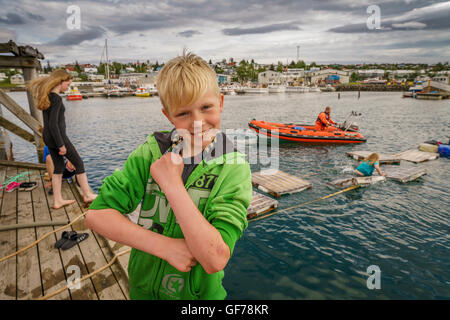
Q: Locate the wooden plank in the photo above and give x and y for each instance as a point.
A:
(111, 248)
(384, 158)
(20, 113)
(260, 205)
(417, 156)
(403, 174)
(50, 263)
(278, 183)
(353, 181)
(18, 131)
(9, 47)
(73, 257)
(19, 62)
(28, 272)
(8, 245)
(105, 283)
(25, 165)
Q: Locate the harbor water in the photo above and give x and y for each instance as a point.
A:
(322, 250)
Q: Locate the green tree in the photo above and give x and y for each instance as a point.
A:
(77, 67)
(354, 77)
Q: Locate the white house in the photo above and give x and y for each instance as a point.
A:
(90, 70)
(17, 79)
(96, 77)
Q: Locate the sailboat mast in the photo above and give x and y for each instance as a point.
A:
(107, 59)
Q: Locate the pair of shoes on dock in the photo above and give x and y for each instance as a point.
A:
(24, 186)
(70, 239)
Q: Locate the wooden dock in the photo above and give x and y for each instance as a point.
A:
(43, 269)
(417, 156)
(277, 182)
(384, 158)
(404, 174)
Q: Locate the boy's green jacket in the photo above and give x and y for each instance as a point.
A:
(221, 188)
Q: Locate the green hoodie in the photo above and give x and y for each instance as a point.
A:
(222, 190)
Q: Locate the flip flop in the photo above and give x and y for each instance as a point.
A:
(27, 186)
(73, 240)
(64, 237)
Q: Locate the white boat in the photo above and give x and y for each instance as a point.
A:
(151, 88)
(112, 91)
(314, 89)
(294, 89)
(328, 88)
(256, 90)
(276, 89)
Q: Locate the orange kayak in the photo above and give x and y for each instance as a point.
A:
(306, 133)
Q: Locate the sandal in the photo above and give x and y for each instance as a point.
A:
(73, 240)
(64, 237)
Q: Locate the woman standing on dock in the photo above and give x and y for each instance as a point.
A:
(46, 95)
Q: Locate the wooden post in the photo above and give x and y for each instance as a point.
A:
(29, 74)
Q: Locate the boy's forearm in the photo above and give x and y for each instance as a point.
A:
(113, 225)
(203, 240)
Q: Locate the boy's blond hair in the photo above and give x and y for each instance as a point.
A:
(183, 80)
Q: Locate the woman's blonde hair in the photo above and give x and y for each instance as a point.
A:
(40, 87)
(373, 157)
(183, 80)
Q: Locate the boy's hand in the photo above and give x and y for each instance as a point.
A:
(167, 170)
(179, 256)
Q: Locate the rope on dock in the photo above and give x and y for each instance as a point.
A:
(87, 276)
(32, 225)
(42, 238)
(305, 203)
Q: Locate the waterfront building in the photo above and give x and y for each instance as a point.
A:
(328, 76)
(269, 76)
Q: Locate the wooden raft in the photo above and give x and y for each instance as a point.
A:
(404, 174)
(354, 181)
(43, 269)
(417, 156)
(384, 158)
(277, 182)
(260, 204)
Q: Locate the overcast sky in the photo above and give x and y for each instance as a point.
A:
(327, 31)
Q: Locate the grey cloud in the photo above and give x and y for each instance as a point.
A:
(432, 17)
(74, 37)
(35, 17)
(12, 18)
(188, 33)
(264, 29)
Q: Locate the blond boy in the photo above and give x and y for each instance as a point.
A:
(194, 201)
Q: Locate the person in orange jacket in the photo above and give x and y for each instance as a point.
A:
(324, 121)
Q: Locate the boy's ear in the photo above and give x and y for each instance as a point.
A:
(166, 114)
